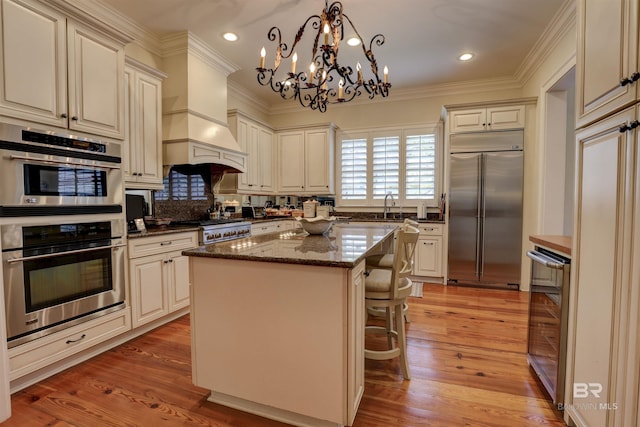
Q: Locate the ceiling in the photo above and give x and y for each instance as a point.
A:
(423, 38)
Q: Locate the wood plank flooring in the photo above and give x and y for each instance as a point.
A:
(466, 351)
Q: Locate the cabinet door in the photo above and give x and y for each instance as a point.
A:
(468, 120)
(291, 163)
(149, 127)
(130, 149)
(429, 257)
(507, 117)
(178, 281)
(598, 289)
(242, 136)
(265, 160)
(96, 88)
(317, 162)
(148, 288)
(253, 163)
(606, 54)
(34, 63)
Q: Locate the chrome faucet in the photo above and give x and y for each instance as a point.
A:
(387, 208)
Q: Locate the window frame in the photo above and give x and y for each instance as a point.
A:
(402, 132)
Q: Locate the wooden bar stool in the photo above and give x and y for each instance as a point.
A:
(389, 289)
(385, 261)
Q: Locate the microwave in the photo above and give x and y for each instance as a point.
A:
(58, 173)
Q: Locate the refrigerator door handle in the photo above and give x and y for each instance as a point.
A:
(483, 166)
(479, 216)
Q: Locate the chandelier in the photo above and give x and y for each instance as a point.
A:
(326, 82)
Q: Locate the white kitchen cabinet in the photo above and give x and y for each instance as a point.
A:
(429, 249)
(257, 141)
(43, 352)
(142, 148)
(305, 161)
(59, 72)
(159, 275)
(606, 58)
(487, 118)
(603, 338)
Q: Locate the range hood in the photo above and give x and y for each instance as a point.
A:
(194, 119)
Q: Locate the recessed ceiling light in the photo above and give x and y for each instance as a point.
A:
(465, 56)
(230, 37)
(353, 41)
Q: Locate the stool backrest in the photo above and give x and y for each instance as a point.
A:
(405, 248)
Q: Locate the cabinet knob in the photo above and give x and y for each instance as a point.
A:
(635, 76)
(63, 115)
(625, 81)
(623, 128)
(74, 118)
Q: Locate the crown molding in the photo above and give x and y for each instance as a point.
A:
(140, 35)
(94, 14)
(241, 93)
(563, 22)
(186, 41)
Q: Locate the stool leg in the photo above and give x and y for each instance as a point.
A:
(389, 326)
(402, 341)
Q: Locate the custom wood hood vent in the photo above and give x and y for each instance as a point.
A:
(194, 121)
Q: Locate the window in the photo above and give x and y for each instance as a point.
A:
(403, 162)
(178, 186)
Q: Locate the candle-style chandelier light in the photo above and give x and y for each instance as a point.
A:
(326, 82)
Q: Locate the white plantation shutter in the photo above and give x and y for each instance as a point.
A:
(386, 166)
(182, 187)
(354, 169)
(405, 162)
(420, 167)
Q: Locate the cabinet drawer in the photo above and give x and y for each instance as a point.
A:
(44, 351)
(152, 245)
(430, 229)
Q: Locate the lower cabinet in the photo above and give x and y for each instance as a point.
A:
(258, 228)
(429, 257)
(43, 352)
(159, 279)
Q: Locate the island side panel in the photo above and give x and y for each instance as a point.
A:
(272, 333)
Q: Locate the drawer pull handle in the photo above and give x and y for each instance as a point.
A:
(83, 336)
(166, 243)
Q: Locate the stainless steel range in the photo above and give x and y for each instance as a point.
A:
(220, 230)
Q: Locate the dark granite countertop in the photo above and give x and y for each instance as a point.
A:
(344, 246)
(156, 231)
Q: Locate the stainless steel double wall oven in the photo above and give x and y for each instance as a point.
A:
(62, 229)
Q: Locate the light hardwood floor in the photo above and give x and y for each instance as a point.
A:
(466, 351)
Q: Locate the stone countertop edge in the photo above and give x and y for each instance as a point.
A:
(558, 243)
(202, 252)
(340, 219)
(157, 231)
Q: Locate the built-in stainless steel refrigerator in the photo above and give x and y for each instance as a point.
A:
(485, 208)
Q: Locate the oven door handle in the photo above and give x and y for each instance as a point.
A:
(547, 262)
(61, 162)
(78, 251)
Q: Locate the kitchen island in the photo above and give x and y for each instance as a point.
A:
(277, 322)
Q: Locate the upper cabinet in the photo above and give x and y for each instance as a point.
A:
(257, 141)
(306, 161)
(607, 58)
(60, 72)
(142, 162)
(485, 119)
